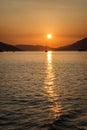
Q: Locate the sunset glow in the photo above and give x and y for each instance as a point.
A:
(28, 21)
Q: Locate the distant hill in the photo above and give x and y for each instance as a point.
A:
(32, 47)
(80, 45)
(7, 47)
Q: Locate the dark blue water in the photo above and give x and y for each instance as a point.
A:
(43, 91)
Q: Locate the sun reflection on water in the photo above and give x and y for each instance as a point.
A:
(49, 57)
(50, 87)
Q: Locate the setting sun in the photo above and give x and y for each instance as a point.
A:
(49, 36)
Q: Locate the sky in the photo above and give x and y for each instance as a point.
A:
(29, 21)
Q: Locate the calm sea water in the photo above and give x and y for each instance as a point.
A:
(43, 91)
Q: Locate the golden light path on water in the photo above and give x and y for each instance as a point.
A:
(50, 87)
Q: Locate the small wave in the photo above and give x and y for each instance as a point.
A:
(67, 122)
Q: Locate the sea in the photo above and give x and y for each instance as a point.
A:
(43, 90)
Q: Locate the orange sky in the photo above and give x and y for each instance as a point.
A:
(29, 21)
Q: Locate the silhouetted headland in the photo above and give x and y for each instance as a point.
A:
(80, 45)
(7, 47)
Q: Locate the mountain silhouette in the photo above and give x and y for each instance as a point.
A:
(33, 47)
(7, 47)
(80, 45)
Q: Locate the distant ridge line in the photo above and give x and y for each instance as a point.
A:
(8, 47)
(80, 45)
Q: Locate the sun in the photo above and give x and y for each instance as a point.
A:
(49, 36)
